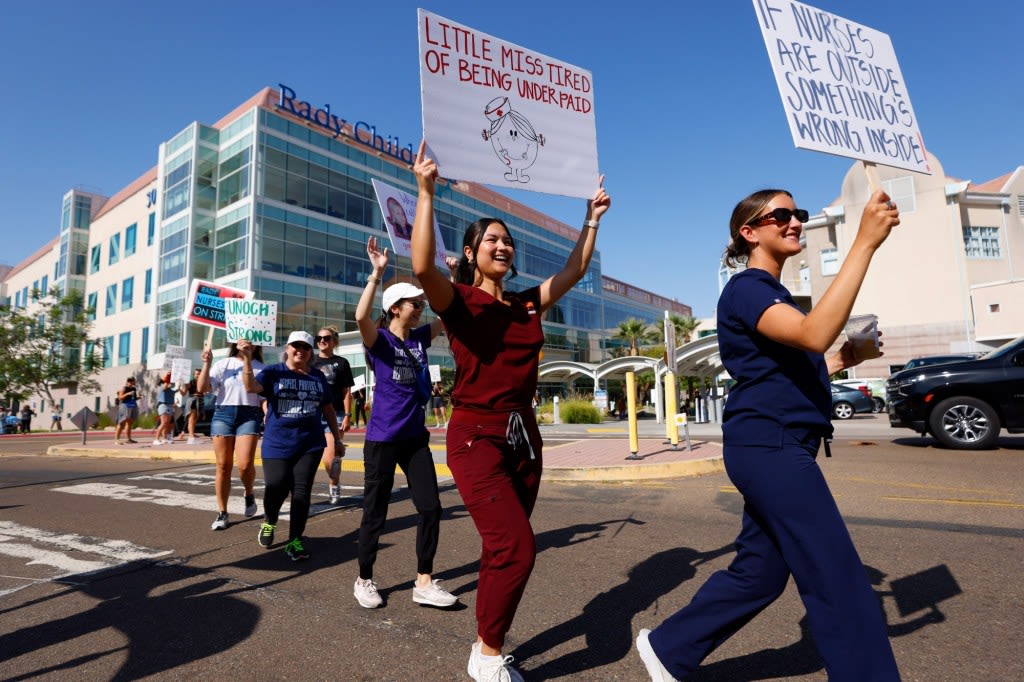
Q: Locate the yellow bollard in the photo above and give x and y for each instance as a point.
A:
(671, 430)
(634, 443)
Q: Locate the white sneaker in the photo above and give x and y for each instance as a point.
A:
(433, 595)
(221, 522)
(334, 492)
(191, 441)
(365, 592)
(484, 668)
(157, 441)
(654, 666)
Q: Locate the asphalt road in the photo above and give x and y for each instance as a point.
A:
(940, 533)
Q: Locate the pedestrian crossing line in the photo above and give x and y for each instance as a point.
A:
(50, 548)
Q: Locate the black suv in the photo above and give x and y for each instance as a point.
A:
(962, 404)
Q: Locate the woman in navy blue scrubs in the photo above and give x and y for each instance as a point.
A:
(776, 418)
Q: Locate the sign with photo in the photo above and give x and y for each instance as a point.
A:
(398, 208)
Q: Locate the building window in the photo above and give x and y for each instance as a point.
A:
(35, 290)
(829, 262)
(44, 287)
(148, 292)
(127, 293)
(108, 352)
(114, 253)
(91, 305)
(145, 344)
(111, 307)
(993, 307)
(129, 239)
(151, 230)
(94, 259)
(981, 242)
(901, 191)
(124, 348)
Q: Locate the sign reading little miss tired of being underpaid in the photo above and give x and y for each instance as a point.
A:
(841, 86)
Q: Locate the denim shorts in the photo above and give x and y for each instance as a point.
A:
(236, 420)
(164, 408)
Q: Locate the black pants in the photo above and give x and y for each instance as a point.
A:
(293, 475)
(380, 459)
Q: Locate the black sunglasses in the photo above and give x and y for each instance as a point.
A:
(782, 216)
(324, 339)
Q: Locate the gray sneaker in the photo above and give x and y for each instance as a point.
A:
(221, 522)
(433, 595)
(365, 592)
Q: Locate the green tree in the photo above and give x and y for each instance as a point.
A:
(637, 333)
(684, 326)
(43, 347)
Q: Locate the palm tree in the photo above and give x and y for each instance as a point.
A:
(685, 326)
(636, 332)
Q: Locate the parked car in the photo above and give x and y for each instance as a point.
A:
(926, 360)
(874, 387)
(964, 404)
(848, 401)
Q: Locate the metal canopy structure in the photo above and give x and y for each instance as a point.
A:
(698, 358)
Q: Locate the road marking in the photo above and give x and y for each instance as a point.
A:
(50, 548)
(924, 486)
(1007, 504)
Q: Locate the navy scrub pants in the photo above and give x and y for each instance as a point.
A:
(791, 524)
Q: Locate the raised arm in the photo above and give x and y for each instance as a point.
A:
(203, 380)
(819, 329)
(556, 286)
(436, 285)
(364, 309)
(248, 376)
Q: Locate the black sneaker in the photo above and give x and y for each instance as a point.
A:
(295, 550)
(250, 505)
(266, 535)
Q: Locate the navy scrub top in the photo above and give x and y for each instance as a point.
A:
(778, 387)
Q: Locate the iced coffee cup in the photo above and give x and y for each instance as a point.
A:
(862, 332)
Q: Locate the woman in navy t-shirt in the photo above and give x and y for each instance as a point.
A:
(775, 419)
(297, 396)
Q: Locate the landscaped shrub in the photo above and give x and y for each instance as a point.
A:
(579, 412)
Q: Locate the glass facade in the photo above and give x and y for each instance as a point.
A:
(273, 205)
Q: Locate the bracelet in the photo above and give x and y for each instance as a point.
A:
(371, 278)
(591, 223)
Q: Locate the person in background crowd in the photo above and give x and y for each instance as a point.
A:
(191, 404)
(165, 412)
(777, 416)
(55, 419)
(494, 445)
(437, 404)
(127, 411)
(26, 418)
(396, 349)
(235, 425)
(338, 374)
(359, 397)
(298, 396)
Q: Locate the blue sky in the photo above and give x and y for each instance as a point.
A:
(688, 114)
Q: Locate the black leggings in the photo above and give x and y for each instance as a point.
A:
(293, 475)
(380, 459)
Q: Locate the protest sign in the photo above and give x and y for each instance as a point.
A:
(205, 303)
(171, 354)
(181, 371)
(251, 320)
(498, 113)
(841, 86)
(435, 373)
(398, 209)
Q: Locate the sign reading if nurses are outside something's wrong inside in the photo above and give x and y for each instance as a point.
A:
(841, 86)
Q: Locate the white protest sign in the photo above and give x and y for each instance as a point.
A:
(498, 113)
(435, 373)
(398, 209)
(251, 320)
(841, 86)
(181, 371)
(172, 353)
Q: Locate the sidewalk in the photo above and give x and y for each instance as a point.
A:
(572, 452)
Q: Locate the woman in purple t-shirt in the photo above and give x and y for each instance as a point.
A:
(396, 349)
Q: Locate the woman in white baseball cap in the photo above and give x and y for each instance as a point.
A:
(297, 396)
(397, 436)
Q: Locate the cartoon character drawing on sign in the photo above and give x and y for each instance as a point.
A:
(513, 138)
